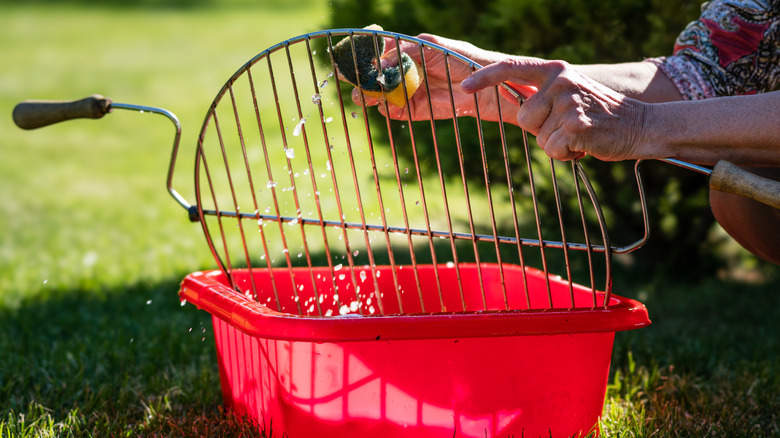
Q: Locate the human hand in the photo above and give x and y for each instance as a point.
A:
(571, 115)
(447, 100)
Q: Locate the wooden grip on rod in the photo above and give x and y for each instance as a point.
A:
(32, 114)
(727, 177)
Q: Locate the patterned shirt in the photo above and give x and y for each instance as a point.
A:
(733, 48)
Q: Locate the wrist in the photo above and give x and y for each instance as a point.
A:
(650, 127)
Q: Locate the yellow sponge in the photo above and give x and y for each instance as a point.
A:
(367, 76)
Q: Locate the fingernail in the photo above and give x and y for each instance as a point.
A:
(467, 84)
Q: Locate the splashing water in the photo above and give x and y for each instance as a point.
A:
(299, 126)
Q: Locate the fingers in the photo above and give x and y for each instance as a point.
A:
(520, 71)
(558, 146)
(552, 110)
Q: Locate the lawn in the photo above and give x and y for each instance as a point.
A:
(94, 339)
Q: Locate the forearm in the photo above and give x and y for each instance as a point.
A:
(741, 129)
(639, 80)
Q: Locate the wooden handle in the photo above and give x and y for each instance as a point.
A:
(727, 177)
(32, 114)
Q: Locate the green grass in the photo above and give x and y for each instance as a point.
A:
(93, 339)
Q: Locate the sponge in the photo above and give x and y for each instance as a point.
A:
(369, 78)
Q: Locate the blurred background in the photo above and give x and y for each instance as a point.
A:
(94, 341)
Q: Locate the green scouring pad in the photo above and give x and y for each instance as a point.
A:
(374, 83)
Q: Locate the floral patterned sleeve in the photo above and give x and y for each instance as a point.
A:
(733, 48)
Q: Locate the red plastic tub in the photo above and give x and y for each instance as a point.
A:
(523, 373)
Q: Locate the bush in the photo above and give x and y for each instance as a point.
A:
(612, 31)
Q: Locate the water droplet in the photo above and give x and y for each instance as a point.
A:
(338, 267)
(450, 264)
(299, 126)
(356, 253)
(363, 275)
(328, 120)
(270, 185)
(354, 115)
(290, 152)
(324, 83)
(327, 165)
(316, 99)
(148, 302)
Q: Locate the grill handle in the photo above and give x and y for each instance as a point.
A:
(729, 178)
(32, 114)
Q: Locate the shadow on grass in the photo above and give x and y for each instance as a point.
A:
(108, 362)
(707, 366)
